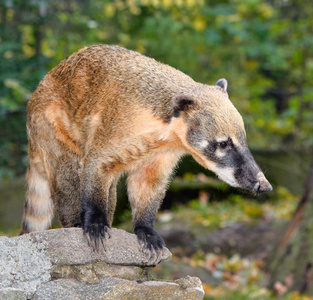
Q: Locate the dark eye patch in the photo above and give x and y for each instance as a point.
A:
(223, 144)
(233, 159)
(210, 150)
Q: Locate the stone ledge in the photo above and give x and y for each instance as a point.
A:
(68, 246)
(117, 288)
(91, 273)
(59, 264)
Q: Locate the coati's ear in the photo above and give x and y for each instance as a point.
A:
(222, 83)
(181, 103)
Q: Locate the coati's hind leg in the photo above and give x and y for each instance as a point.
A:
(146, 190)
(38, 208)
(66, 195)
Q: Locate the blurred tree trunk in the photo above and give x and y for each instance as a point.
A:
(290, 266)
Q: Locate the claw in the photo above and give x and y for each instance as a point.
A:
(96, 236)
(166, 254)
(152, 257)
(159, 257)
(102, 243)
(108, 231)
(151, 245)
(88, 239)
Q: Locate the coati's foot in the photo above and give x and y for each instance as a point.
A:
(152, 245)
(96, 235)
(96, 227)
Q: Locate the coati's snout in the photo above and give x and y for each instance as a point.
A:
(237, 167)
(262, 184)
(217, 138)
(234, 164)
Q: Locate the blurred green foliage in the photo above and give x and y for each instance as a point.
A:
(218, 214)
(263, 48)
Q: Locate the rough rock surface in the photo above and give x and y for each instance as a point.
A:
(23, 264)
(122, 248)
(59, 264)
(116, 288)
(12, 294)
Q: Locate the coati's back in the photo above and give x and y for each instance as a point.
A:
(116, 81)
(93, 72)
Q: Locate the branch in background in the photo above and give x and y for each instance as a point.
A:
(296, 220)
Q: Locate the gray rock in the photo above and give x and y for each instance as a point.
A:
(116, 288)
(124, 272)
(59, 264)
(26, 261)
(180, 269)
(68, 246)
(12, 294)
(92, 272)
(23, 264)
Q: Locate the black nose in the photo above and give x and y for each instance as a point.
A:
(264, 187)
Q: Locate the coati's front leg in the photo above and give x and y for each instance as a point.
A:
(96, 186)
(146, 189)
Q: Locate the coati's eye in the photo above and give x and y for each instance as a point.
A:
(222, 145)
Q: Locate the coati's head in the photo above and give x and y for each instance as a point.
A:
(216, 138)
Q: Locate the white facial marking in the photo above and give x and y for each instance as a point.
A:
(221, 139)
(235, 141)
(220, 153)
(203, 144)
(227, 175)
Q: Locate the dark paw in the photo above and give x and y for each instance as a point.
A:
(95, 225)
(152, 245)
(96, 235)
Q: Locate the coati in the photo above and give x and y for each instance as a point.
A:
(105, 111)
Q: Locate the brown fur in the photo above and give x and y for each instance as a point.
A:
(105, 111)
(91, 113)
